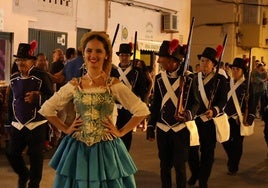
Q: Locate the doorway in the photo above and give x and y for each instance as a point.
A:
(48, 41)
(6, 46)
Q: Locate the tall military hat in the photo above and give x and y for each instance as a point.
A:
(240, 63)
(125, 48)
(171, 49)
(26, 51)
(209, 53)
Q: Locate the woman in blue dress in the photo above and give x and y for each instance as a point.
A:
(92, 155)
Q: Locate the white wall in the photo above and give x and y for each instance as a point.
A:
(24, 14)
(19, 17)
(138, 19)
(14, 22)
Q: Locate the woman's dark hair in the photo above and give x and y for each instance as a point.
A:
(69, 52)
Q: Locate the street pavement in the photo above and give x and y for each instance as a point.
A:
(253, 172)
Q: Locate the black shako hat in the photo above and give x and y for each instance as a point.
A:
(124, 48)
(171, 49)
(209, 53)
(240, 63)
(26, 51)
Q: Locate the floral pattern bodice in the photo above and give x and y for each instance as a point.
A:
(94, 106)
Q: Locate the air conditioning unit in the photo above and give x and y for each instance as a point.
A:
(170, 23)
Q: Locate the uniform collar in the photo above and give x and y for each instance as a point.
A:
(173, 74)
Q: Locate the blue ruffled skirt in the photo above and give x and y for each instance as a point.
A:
(106, 164)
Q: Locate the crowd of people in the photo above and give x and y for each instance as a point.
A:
(90, 106)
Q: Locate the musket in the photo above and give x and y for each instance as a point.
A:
(135, 47)
(181, 105)
(247, 89)
(115, 34)
(217, 72)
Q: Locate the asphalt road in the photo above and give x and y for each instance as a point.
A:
(253, 171)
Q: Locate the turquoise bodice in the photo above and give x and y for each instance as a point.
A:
(94, 106)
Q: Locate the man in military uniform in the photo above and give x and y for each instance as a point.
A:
(172, 134)
(134, 79)
(209, 108)
(30, 87)
(235, 107)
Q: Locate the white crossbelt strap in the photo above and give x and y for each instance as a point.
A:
(201, 88)
(234, 86)
(170, 89)
(171, 94)
(244, 130)
(123, 76)
(234, 96)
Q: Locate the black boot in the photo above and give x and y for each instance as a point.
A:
(23, 179)
(192, 181)
(23, 182)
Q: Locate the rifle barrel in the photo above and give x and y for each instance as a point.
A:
(216, 73)
(135, 46)
(115, 34)
(247, 90)
(181, 105)
(249, 72)
(187, 55)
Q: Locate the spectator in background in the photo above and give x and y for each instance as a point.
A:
(70, 54)
(41, 62)
(258, 80)
(56, 67)
(74, 68)
(264, 114)
(55, 70)
(228, 70)
(197, 68)
(2, 65)
(222, 70)
(140, 64)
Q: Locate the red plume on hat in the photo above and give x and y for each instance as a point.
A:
(172, 46)
(33, 46)
(131, 45)
(219, 50)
